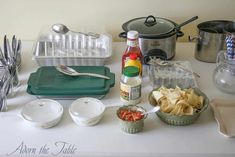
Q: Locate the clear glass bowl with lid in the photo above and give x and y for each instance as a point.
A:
(224, 73)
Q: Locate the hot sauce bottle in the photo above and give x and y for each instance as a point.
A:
(134, 61)
(132, 47)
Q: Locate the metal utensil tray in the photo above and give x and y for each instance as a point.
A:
(72, 49)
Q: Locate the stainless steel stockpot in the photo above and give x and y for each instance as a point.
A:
(210, 40)
(157, 36)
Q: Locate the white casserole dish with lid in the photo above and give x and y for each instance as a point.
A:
(42, 113)
(86, 111)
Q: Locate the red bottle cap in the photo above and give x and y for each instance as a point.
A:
(133, 56)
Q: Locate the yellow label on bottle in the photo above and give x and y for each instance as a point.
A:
(136, 63)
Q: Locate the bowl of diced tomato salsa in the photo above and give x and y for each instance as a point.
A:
(131, 119)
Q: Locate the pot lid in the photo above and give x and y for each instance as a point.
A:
(215, 26)
(230, 28)
(149, 26)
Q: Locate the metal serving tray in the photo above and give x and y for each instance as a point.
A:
(70, 49)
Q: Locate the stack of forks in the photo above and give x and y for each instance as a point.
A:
(10, 57)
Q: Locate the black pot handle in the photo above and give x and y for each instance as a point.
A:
(123, 35)
(150, 21)
(179, 34)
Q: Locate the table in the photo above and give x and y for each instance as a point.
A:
(106, 139)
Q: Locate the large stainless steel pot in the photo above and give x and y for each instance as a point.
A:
(157, 36)
(210, 40)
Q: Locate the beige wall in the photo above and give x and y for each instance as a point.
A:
(25, 18)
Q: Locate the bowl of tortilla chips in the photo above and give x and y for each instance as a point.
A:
(178, 106)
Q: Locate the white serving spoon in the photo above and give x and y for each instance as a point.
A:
(153, 110)
(62, 29)
(70, 71)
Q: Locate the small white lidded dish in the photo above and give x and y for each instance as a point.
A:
(42, 113)
(86, 111)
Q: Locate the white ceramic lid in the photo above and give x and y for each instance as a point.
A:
(87, 107)
(42, 111)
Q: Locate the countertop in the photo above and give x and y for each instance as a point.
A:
(106, 139)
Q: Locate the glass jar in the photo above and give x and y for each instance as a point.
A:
(224, 74)
(130, 86)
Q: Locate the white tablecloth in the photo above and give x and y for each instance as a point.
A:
(106, 139)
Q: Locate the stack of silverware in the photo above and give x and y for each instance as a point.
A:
(5, 86)
(10, 58)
